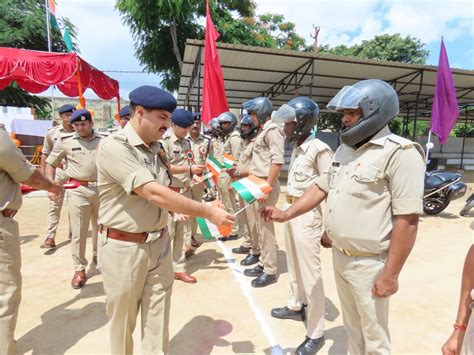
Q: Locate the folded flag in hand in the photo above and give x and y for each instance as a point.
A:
(229, 161)
(209, 230)
(213, 165)
(209, 180)
(251, 188)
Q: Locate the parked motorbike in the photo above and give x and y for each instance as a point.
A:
(468, 206)
(441, 188)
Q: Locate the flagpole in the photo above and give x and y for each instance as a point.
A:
(243, 208)
(429, 146)
(48, 35)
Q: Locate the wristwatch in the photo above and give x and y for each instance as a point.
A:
(237, 173)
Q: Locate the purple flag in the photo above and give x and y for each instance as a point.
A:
(445, 109)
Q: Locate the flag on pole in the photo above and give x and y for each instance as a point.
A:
(229, 161)
(445, 109)
(209, 230)
(213, 165)
(58, 23)
(251, 188)
(209, 180)
(214, 101)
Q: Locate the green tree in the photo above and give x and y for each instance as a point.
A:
(383, 47)
(160, 29)
(23, 25)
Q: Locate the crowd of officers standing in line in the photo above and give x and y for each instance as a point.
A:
(138, 187)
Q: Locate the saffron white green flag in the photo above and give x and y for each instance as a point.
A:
(209, 180)
(213, 165)
(229, 161)
(211, 231)
(251, 188)
(58, 23)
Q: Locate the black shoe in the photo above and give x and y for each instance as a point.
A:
(264, 280)
(241, 250)
(250, 259)
(256, 271)
(230, 237)
(310, 346)
(286, 313)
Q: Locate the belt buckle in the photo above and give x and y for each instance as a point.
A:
(92, 184)
(152, 236)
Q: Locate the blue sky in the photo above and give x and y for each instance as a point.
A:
(107, 43)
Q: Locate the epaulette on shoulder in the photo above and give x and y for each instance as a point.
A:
(67, 135)
(406, 143)
(119, 137)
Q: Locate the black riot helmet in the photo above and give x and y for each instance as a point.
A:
(303, 111)
(378, 102)
(261, 106)
(247, 121)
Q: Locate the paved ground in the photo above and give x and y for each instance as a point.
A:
(221, 314)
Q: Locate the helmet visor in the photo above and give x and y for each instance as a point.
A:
(284, 114)
(348, 97)
(250, 106)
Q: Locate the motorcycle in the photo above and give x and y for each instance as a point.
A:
(441, 188)
(468, 206)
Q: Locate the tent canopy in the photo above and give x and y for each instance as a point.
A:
(36, 71)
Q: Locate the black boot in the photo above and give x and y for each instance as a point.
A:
(256, 271)
(286, 313)
(310, 346)
(264, 280)
(250, 259)
(241, 250)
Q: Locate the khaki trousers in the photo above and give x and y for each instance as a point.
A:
(250, 240)
(365, 317)
(177, 232)
(197, 191)
(10, 283)
(83, 209)
(227, 197)
(265, 232)
(137, 276)
(303, 247)
(55, 207)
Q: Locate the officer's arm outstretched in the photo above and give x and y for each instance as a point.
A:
(310, 199)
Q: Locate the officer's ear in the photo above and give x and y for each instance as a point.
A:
(139, 111)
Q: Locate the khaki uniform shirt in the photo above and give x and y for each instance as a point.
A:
(52, 135)
(179, 153)
(79, 153)
(233, 144)
(308, 161)
(370, 185)
(14, 168)
(218, 149)
(201, 147)
(124, 163)
(269, 149)
(246, 155)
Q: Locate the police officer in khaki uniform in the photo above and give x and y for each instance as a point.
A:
(310, 158)
(135, 249)
(374, 191)
(124, 116)
(267, 161)
(14, 169)
(80, 150)
(52, 135)
(202, 148)
(217, 150)
(250, 244)
(180, 154)
(232, 145)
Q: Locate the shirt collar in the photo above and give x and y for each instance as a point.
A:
(381, 136)
(304, 147)
(94, 136)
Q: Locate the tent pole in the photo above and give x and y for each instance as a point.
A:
(48, 35)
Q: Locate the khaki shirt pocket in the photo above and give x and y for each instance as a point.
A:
(366, 182)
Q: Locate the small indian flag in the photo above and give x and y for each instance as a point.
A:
(210, 230)
(251, 188)
(209, 180)
(213, 165)
(58, 22)
(229, 161)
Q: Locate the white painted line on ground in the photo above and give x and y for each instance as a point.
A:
(246, 289)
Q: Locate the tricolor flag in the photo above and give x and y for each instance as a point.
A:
(251, 188)
(210, 230)
(213, 165)
(60, 25)
(209, 180)
(229, 161)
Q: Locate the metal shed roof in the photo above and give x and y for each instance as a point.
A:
(282, 74)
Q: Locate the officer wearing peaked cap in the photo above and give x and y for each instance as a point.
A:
(133, 175)
(183, 167)
(79, 149)
(52, 135)
(124, 115)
